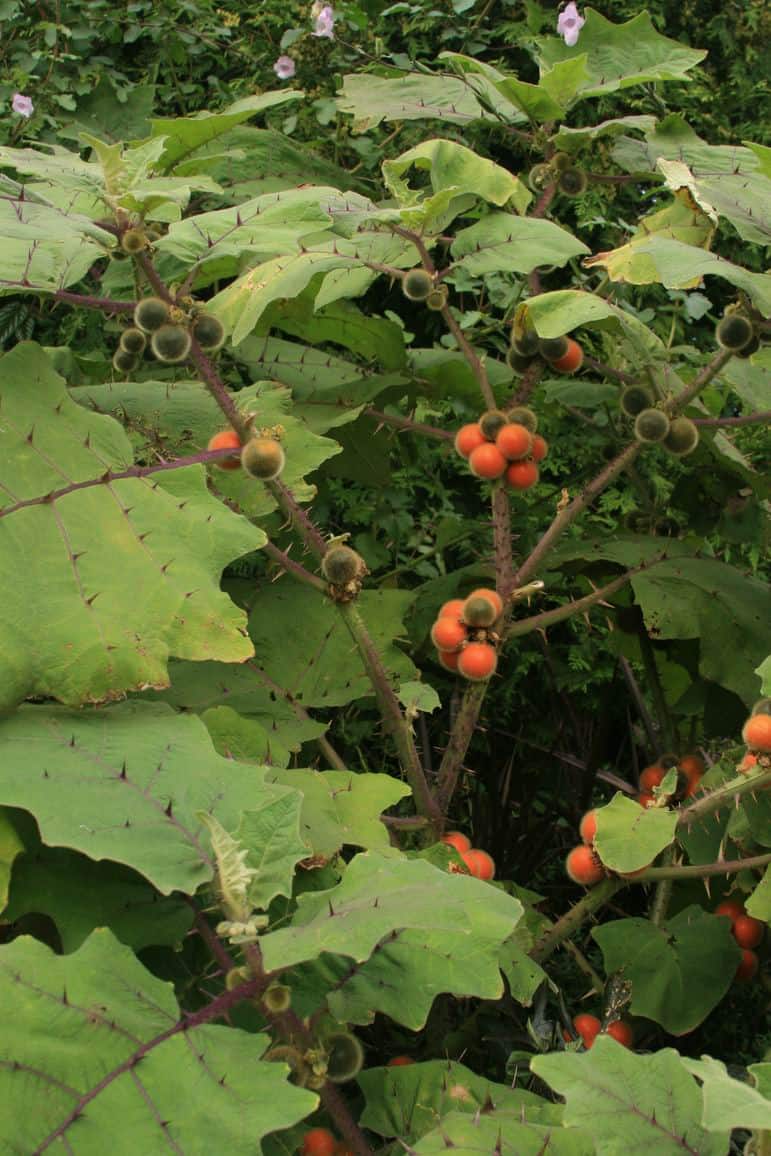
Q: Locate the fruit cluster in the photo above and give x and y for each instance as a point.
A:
(170, 331)
(678, 435)
(420, 285)
(261, 455)
(736, 332)
(479, 863)
(504, 445)
(690, 771)
(561, 353)
(560, 169)
(463, 635)
(747, 932)
(588, 1027)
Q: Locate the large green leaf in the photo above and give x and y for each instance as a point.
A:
(182, 136)
(374, 339)
(728, 1103)
(410, 1101)
(630, 836)
(127, 783)
(455, 169)
(270, 833)
(638, 1105)
(44, 249)
(11, 845)
(97, 1058)
(372, 99)
(620, 55)
(569, 138)
(314, 654)
(545, 101)
(678, 971)
(501, 242)
(502, 1133)
(759, 903)
(88, 538)
(378, 896)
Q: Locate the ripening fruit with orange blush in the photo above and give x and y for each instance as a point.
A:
(487, 461)
(522, 475)
(226, 439)
(399, 1062)
(448, 634)
(451, 609)
(448, 659)
(457, 840)
(514, 441)
(479, 863)
(477, 661)
(588, 1028)
(583, 866)
(539, 448)
(572, 360)
(748, 932)
(757, 733)
(652, 777)
(621, 1032)
(468, 438)
(588, 827)
(319, 1142)
(748, 967)
(491, 595)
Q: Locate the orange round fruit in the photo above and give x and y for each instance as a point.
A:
(399, 1062)
(457, 840)
(651, 777)
(748, 932)
(319, 1142)
(514, 441)
(539, 448)
(479, 863)
(487, 461)
(747, 763)
(491, 596)
(451, 609)
(588, 827)
(645, 799)
(448, 659)
(226, 439)
(572, 360)
(477, 661)
(757, 733)
(448, 634)
(748, 967)
(621, 1031)
(468, 438)
(583, 866)
(730, 907)
(588, 1028)
(522, 475)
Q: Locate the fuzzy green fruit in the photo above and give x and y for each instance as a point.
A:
(170, 343)
(553, 348)
(151, 313)
(133, 341)
(523, 415)
(734, 332)
(682, 438)
(491, 423)
(123, 361)
(263, 458)
(341, 565)
(133, 241)
(651, 425)
(572, 182)
(417, 284)
(635, 398)
(437, 298)
(209, 332)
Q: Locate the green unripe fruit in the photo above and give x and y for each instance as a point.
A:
(437, 298)
(682, 438)
(277, 998)
(651, 425)
(479, 612)
(762, 706)
(153, 235)
(553, 348)
(341, 565)
(170, 343)
(734, 332)
(572, 182)
(634, 399)
(236, 976)
(133, 241)
(523, 415)
(133, 341)
(263, 458)
(526, 342)
(209, 332)
(417, 284)
(491, 423)
(517, 361)
(345, 1057)
(151, 313)
(124, 362)
(749, 349)
(539, 176)
(561, 161)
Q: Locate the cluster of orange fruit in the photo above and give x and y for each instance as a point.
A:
(588, 1027)
(503, 445)
(690, 771)
(748, 932)
(463, 637)
(479, 863)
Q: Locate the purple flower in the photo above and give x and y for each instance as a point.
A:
(570, 24)
(324, 21)
(22, 104)
(284, 68)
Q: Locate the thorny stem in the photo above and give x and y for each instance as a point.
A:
(543, 202)
(527, 384)
(216, 387)
(748, 419)
(642, 706)
(724, 795)
(475, 362)
(667, 874)
(298, 518)
(406, 423)
(663, 893)
(296, 569)
(502, 541)
(461, 734)
(570, 922)
(663, 717)
(85, 301)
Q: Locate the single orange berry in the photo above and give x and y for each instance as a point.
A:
(539, 449)
(479, 863)
(620, 1031)
(399, 1062)
(588, 827)
(319, 1142)
(226, 439)
(514, 441)
(748, 932)
(491, 596)
(477, 661)
(588, 1028)
(645, 799)
(748, 967)
(457, 840)
(448, 634)
(757, 733)
(468, 438)
(730, 907)
(572, 360)
(522, 475)
(487, 461)
(652, 777)
(692, 765)
(583, 866)
(448, 659)
(747, 763)
(451, 609)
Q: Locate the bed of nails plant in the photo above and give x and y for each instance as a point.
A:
(221, 930)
